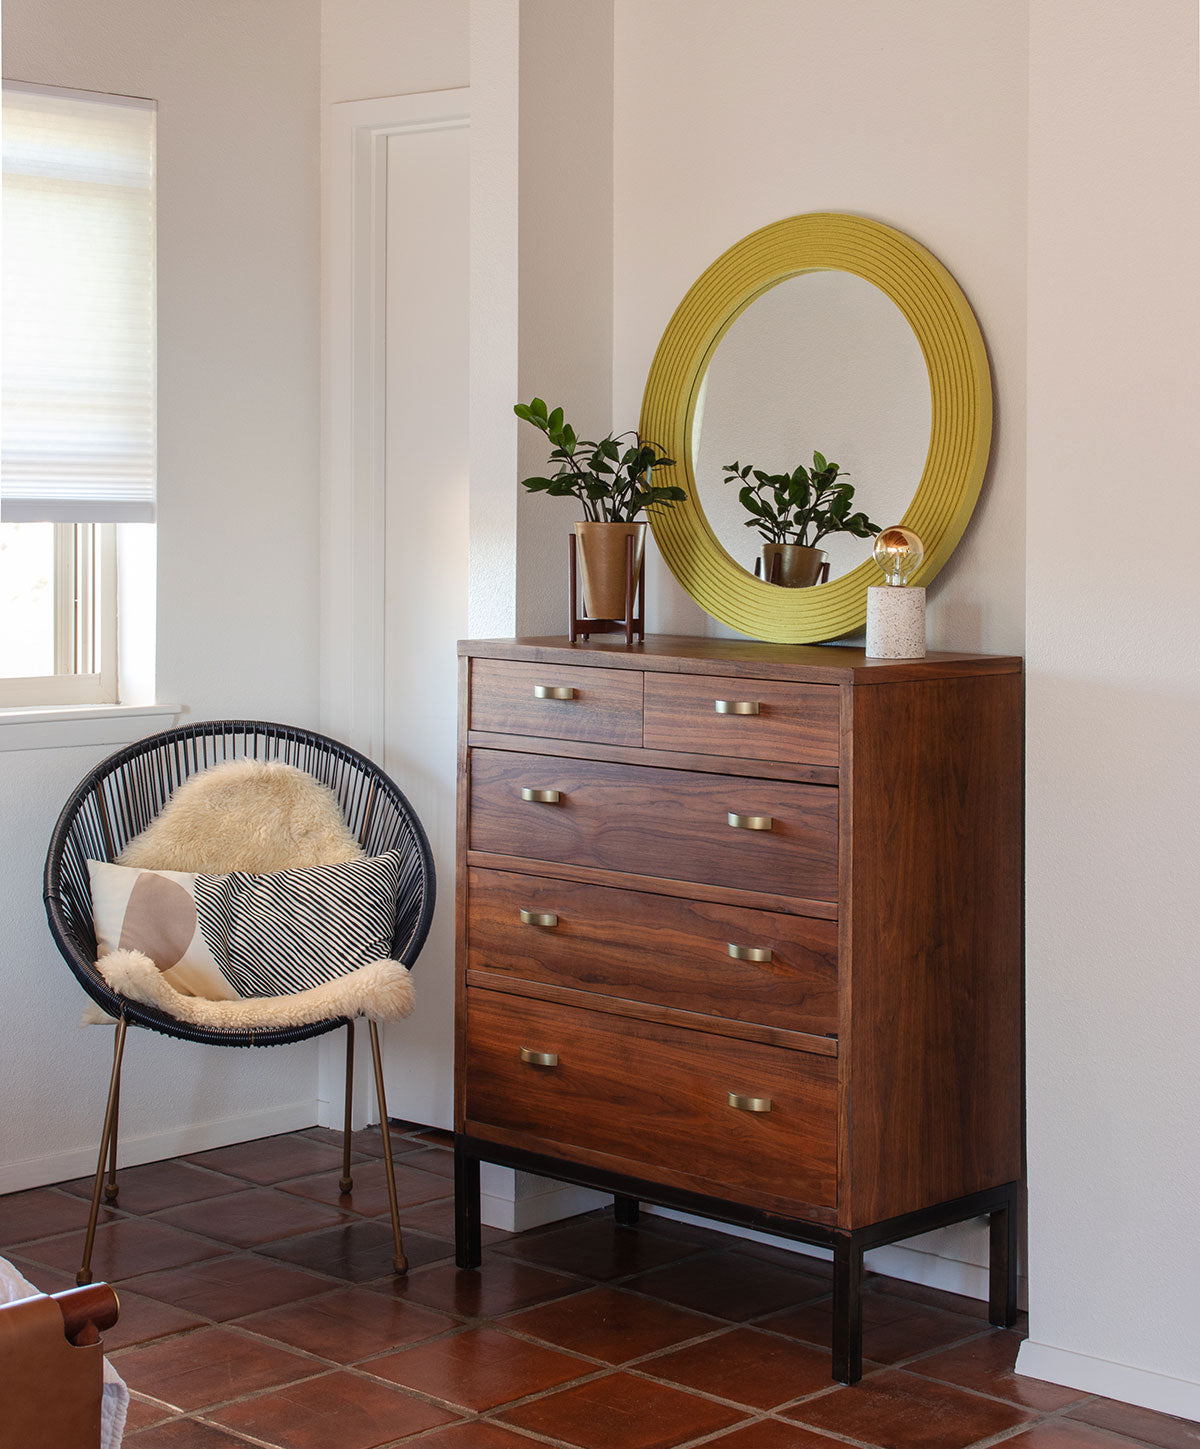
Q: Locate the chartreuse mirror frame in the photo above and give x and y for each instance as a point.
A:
(960, 430)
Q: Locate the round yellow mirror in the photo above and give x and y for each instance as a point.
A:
(959, 416)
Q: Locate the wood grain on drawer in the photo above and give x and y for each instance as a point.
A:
(661, 950)
(655, 1098)
(794, 722)
(655, 822)
(603, 705)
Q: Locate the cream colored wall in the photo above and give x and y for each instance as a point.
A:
(1114, 701)
(371, 49)
(495, 66)
(237, 138)
(391, 47)
(728, 117)
(565, 179)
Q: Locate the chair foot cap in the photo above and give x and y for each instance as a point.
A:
(83, 1278)
(345, 1185)
(111, 1192)
(400, 1265)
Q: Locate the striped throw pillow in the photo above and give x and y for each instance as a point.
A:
(241, 935)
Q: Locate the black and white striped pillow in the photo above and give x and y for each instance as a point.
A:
(243, 935)
(272, 935)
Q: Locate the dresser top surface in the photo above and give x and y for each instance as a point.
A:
(693, 654)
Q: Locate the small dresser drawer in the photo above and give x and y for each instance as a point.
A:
(655, 1100)
(769, 836)
(755, 719)
(725, 961)
(557, 701)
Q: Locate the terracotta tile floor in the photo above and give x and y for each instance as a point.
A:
(258, 1307)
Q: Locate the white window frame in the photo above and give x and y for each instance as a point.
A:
(85, 624)
(87, 667)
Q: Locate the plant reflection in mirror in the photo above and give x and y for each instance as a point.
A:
(801, 507)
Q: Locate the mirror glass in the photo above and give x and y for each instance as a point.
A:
(823, 361)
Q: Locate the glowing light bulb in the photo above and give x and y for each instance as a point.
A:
(898, 552)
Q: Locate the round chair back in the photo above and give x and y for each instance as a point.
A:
(124, 793)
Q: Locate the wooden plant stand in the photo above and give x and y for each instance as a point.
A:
(634, 622)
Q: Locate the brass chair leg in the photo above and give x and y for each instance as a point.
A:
(107, 1135)
(399, 1261)
(111, 1188)
(346, 1184)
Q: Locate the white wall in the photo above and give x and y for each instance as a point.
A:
(1114, 701)
(392, 47)
(371, 50)
(495, 59)
(565, 179)
(727, 118)
(237, 141)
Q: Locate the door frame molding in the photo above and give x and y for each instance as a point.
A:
(354, 140)
(355, 136)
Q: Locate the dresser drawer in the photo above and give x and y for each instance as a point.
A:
(654, 1099)
(657, 949)
(758, 719)
(557, 701)
(673, 824)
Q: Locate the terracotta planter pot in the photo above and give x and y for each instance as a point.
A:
(602, 565)
(799, 566)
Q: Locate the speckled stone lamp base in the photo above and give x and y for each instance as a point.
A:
(895, 623)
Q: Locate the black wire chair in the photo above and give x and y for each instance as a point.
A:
(123, 795)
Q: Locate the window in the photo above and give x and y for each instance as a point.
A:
(59, 606)
(78, 383)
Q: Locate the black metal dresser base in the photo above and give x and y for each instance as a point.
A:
(847, 1245)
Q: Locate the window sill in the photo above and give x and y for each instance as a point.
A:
(66, 726)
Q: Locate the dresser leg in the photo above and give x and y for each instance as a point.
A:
(626, 1210)
(847, 1311)
(468, 1250)
(1002, 1277)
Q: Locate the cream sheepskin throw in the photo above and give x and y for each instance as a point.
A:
(259, 817)
(381, 990)
(250, 815)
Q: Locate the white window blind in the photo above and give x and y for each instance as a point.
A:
(79, 307)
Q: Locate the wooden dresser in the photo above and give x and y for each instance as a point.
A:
(739, 933)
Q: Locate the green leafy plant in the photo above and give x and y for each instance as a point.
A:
(799, 507)
(613, 479)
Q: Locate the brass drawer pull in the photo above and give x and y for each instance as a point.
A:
(736, 706)
(553, 691)
(749, 953)
(541, 797)
(750, 822)
(539, 1059)
(539, 918)
(749, 1104)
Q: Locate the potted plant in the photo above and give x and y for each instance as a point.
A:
(793, 512)
(614, 481)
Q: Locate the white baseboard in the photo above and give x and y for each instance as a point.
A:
(952, 1275)
(155, 1146)
(1114, 1380)
(535, 1204)
(530, 1209)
